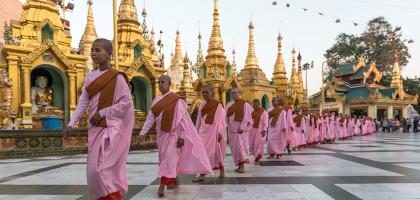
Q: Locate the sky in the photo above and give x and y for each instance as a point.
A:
(306, 31)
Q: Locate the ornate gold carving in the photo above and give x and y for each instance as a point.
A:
(48, 44)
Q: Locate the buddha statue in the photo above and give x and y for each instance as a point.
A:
(41, 95)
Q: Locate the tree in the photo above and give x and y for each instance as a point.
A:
(412, 87)
(380, 42)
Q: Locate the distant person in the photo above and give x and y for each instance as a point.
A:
(415, 124)
(405, 125)
(385, 126)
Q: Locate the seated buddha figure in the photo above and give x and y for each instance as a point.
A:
(41, 94)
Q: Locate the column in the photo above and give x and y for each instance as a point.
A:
(156, 88)
(72, 92)
(224, 97)
(26, 104)
(216, 92)
(390, 112)
(14, 74)
(372, 111)
(405, 112)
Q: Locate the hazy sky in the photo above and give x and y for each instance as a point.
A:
(307, 31)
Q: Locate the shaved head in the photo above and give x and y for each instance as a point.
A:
(236, 93)
(165, 78)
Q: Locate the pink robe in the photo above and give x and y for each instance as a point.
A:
(299, 134)
(256, 139)
(317, 131)
(350, 127)
(310, 134)
(332, 124)
(277, 140)
(365, 127)
(238, 142)
(290, 127)
(342, 129)
(209, 136)
(324, 129)
(190, 158)
(357, 128)
(107, 146)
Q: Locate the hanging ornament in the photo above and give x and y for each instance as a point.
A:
(337, 21)
(305, 9)
(355, 24)
(274, 3)
(320, 13)
(287, 5)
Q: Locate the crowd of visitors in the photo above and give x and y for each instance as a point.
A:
(397, 125)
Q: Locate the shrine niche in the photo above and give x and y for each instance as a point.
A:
(49, 91)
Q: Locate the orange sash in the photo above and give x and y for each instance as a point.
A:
(256, 116)
(237, 108)
(166, 105)
(209, 109)
(105, 84)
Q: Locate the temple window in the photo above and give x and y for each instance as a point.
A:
(47, 33)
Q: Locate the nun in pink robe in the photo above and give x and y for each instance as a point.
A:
(324, 128)
(332, 128)
(350, 127)
(310, 135)
(256, 137)
(300, 130)
(209, 136)
(191, 158)
(357, 128)
(107, 146)
(238, 142)
(365, 127)
(277, 138)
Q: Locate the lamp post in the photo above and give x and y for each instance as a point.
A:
(307, 67)
(321, 107)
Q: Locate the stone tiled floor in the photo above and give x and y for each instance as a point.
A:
(381, 166)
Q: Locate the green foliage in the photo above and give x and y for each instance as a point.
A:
(412, 87)
(380, 42)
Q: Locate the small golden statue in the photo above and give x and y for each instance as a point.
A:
(41, 95)
(5, 91)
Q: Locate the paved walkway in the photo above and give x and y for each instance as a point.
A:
(381, 166)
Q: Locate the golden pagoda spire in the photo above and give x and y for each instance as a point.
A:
(215, 58)
(176, 68)
(251, 59)
(128, 12)
(299, 58)
(234, 61)
(177, 58)
(279, 73)
(200, 57)
(186, 82)
(396, 78)
(89, 36)
(294, 79)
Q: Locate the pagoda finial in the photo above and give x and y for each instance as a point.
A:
(234, 60)
(251, 59)
(200, 57)
(294, 77)
(215, 43)
(186, 82)
(128, 12)
(279, 73)
(396, 78)
(89, 35)
(300, 79)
